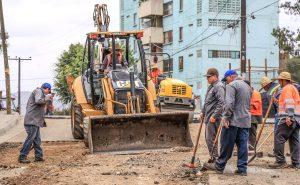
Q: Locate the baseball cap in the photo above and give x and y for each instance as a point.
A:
(211, 72)
(46, 86)
(229, 73)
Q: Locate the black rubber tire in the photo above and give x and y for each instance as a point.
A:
(85, 134)
(76, 121)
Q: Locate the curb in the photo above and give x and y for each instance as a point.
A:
(14, 122)
(57, 117)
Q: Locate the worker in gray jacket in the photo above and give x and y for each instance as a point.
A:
(236, 122)
(212, 110)
(34, 119)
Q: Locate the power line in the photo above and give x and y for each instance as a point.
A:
(223, 29)
(208, 24)
(264, 7)
(190, 44)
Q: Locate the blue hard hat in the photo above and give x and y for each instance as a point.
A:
(229, 73)
(46, 86)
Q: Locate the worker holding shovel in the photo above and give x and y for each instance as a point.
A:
(212, 110)
(236, 122)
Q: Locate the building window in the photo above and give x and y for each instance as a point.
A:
(180, 63)
(180, 5)
(199, 53)
(168, 65)
(134, 19)
(199, 22)
(221, 22)
(168, 37)
(180, 33)
(223, 54)
(122, 23)
(199, 6)
(224, 6)
(168, 8)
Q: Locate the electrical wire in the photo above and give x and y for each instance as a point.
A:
(190, 44)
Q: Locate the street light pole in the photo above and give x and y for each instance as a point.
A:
(19, 59)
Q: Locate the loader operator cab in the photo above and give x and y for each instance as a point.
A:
(102, 46)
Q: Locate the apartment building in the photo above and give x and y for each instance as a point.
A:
(195, 35)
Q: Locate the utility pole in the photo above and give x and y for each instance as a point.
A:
(19, 59)
(243, 38)
(5, 58)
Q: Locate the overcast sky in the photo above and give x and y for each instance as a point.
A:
(42, 29)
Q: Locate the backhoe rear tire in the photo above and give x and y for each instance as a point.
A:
(76, 121)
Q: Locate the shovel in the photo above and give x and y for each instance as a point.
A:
(192, 163)
(260, 131)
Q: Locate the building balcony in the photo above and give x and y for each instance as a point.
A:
(150, 8)
(153, 35)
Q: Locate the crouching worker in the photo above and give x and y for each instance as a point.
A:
(34, 119)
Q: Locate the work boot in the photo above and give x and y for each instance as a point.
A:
(271, 154)
(237, 172)
(211, 160)
(23, 160)
(39, 159)
(277, 165)
(211, 166)
(294, 166)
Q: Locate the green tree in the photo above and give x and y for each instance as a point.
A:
(69, 63)
(293, 66)
(288, 40)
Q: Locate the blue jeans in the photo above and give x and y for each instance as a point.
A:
(276, 121)
(33, 138)
(229, 137)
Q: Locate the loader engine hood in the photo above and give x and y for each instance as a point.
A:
(175, 88)
(121, 80)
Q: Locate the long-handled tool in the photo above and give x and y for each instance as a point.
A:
(262, 143)
(192, 163)
(216, 141)
(260, 131)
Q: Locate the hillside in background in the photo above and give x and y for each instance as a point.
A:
(24, 98)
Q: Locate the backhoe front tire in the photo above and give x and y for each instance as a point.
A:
(76, 121)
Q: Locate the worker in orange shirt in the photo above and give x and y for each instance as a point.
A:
(289, 123)
(155, 72)
(256, 115)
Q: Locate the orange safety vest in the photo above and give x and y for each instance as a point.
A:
(154, 74)
(256, 103)
(289, 102)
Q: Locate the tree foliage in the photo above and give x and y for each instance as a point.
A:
(69, 63)
(288, 40)
(293, 66)
(291, 8)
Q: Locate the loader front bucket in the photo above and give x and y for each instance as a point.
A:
(125, 132)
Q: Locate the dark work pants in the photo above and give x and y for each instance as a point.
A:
(229, 137)
(284, 133)
(211, 130)
(33, 138)
(255, 120)
(252, 136)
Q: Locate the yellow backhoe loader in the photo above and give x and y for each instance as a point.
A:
(115, 110)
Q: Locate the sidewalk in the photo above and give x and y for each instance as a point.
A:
(8, 123)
